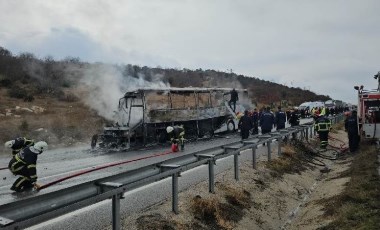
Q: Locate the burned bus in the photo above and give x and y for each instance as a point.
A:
(143, 115)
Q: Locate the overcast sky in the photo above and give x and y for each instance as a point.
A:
(327, 46)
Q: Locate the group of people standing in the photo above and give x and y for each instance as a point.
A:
(267, 120)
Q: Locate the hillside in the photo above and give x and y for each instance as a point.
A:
(59, 123)
(79, 97)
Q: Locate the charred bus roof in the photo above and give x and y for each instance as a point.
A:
(180, 90)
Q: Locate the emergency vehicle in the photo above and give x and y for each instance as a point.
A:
(369, 111)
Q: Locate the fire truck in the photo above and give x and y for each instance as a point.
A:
(369, 111)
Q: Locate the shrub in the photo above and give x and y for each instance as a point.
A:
(68, 97)
(24, 126)
(5, 83)
(29, 98)
(17, 92)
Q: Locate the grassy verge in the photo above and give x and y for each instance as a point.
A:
(358, 207)
(294, 159)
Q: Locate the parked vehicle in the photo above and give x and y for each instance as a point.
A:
(310, 105)
(145, 113)
(369, 112)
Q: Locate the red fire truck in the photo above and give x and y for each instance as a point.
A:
(369, 111)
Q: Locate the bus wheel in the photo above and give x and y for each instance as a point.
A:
(162, 137)
(230, 126)
(94, 140)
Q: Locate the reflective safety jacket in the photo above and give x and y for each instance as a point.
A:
(20, 143)
(25, 161)
(177, 133)
(322, 124)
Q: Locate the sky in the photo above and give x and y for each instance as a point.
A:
(325, 46)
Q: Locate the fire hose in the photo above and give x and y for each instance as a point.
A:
(342, 146)
(99, 168)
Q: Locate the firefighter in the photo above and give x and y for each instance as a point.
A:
(245, 124)
(24, 165)
(322, 126)
(351, 127)
(266, 121)
(280, 119)
(176, 135)
(19, 143)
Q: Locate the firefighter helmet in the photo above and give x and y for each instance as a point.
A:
(169, 129)
(9, 144)
(41, 146)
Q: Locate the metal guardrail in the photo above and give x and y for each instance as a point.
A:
(34, 210)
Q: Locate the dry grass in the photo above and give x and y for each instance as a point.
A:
(156, 222)
(358, 207)
(290, 162)
(338, 126)
(217, 213)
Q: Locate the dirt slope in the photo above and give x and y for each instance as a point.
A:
(58, 123)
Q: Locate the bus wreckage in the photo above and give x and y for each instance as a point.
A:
(143, 115)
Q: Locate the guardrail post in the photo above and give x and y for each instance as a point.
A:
(211, 179)
(254, 163)
(236, 166)
(269, 150)
(311, 131)
(174, 185)
(279, 142)
(211, 171)
(116, 212)
(115, 203)
(175, 193)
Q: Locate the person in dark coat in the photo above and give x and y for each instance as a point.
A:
(351, 127)
(293, 120)
(245, 124)
(280, 119)
(234, 98)
(266, 121)
(255, 122)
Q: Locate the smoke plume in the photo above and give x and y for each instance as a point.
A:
(103, 85)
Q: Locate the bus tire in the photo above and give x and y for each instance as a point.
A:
(162, 137)
(230, 126)
(94, 139)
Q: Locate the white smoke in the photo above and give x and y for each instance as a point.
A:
(103, 85)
